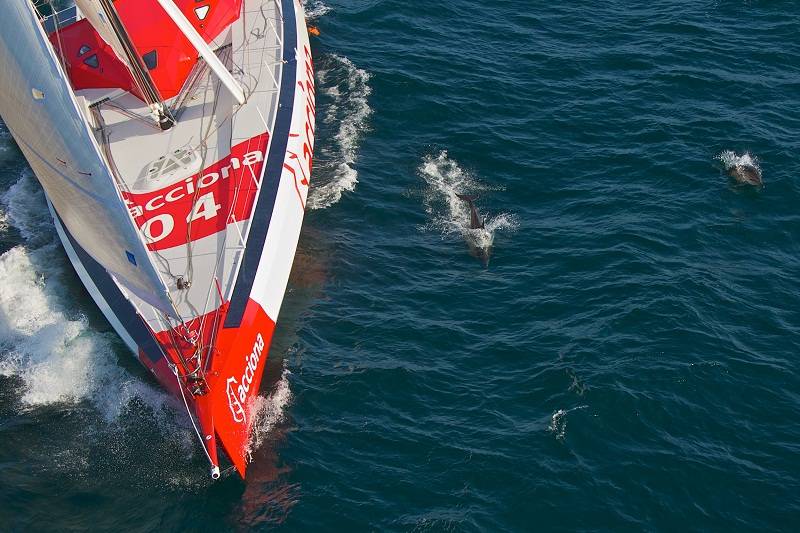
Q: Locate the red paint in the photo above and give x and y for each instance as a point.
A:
(150, 29)
(222, 194)
(237, 344)
(233, 349)
(300, 165)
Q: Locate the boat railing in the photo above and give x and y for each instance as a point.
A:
(57, 20)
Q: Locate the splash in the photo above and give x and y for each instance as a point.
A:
(55, 353)
(730, 160)
(449, 214)
(315, 9)
(5, 138)
(56, 357)
(347, 88)
(265, 413)
(558, 422)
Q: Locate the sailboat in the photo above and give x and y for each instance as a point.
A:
(174, 141)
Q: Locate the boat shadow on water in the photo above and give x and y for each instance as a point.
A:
(269, 492)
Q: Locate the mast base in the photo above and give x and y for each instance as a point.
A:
(165, 122)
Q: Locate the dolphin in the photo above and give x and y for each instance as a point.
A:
(482, 253)
(475, 221)
(746, 174)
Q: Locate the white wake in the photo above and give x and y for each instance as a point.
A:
(44, 341)
(267, 412)
(315, 9)
(450, 215)
(347, 89)
(5, 138)
(731, 159)
(558, 422)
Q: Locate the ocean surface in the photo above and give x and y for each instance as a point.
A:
(627, 361)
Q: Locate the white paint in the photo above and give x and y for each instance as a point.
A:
(280, 245)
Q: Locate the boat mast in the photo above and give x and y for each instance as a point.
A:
(138, 69)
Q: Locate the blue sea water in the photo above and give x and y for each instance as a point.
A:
(627, 360)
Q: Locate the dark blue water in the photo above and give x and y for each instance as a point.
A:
(627, 361)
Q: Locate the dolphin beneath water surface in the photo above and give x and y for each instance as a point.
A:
(746, 174)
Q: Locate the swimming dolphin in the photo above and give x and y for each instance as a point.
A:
(482, 253)
(475, 221)
(746, 174)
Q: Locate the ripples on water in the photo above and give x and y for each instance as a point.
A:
(627, 361)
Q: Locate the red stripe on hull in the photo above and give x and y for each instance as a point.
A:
(238, 379)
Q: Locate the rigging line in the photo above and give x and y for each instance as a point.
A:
(196, 195)
(122, 111)
(237, 190)
(191, 418)
(178, 352)
(204, 150)
(189, 245)
(199, 71)
(223, 248)
(204, 153)
(203, 146)
(221, 254)
(122, 185)
(137, 68)
(215, 328)
(58, 34)
(227, 117)
(161, 259)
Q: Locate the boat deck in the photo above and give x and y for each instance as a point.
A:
(209, 123)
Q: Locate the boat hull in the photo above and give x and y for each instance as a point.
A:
(223, 410)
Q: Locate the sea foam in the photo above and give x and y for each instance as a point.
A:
(450, 215)
(57, 355)
(730, 159)
(315, 9)
(267, 412)
(558, 422)
(347, 90)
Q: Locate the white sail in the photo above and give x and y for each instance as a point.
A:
(93, 12)
(39, 108)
